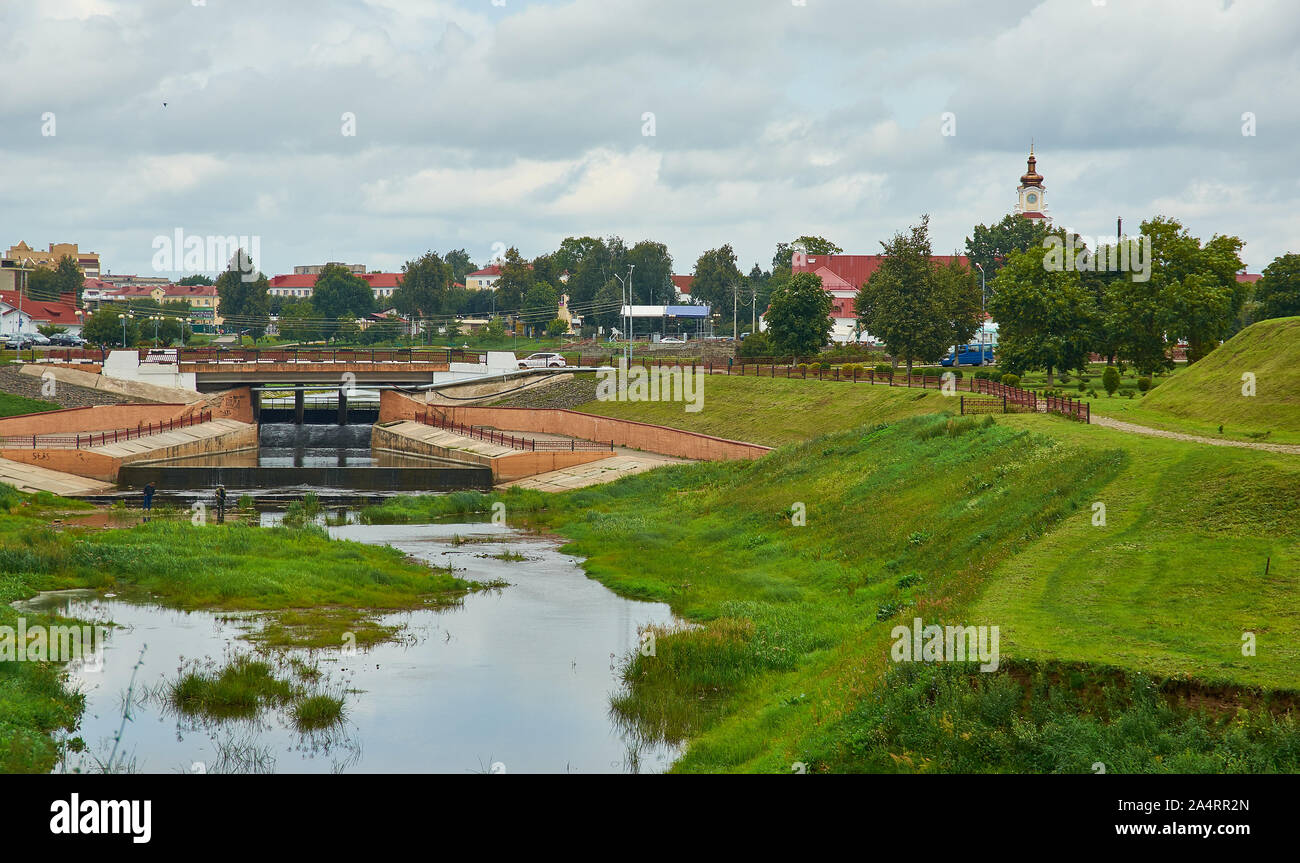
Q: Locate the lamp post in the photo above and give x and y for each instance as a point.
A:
(157, 319)
(123, 318)
(627, 289)
(982, 326)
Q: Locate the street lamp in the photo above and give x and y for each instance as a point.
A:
(982, 324)
(123, 318)
(157, 319)
(627, 288)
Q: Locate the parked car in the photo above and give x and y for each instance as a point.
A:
(16, 340)
(672, 341)
(67, 340)
(969, 355)
(542, 361)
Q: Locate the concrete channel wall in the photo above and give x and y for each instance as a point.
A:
(625, 433)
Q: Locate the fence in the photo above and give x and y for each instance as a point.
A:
(491, 435)
(973, 405)
(101, 438)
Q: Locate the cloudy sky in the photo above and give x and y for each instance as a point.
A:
(488, 123)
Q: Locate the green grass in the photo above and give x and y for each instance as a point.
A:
(317, 711)
(12, 405)
(1208, 394)
(1176, 575)
(316, 591)
(241, 689)
(776, 411)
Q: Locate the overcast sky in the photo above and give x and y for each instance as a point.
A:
(485, 122)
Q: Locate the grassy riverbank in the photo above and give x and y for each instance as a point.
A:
(961, 522)
(314, 590)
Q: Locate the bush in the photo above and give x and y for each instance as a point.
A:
(825, 367)
(803, 368)
(1082, 386)
(1011, 380)
(884, 369)
(1110, 380)
(1144, 384)
(756, 345)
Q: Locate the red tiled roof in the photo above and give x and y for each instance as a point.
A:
(60, 314)
(683, 283)
(1248, 277)
(850, 272)
(308, 280)
(490, 270)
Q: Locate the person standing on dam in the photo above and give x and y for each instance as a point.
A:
(221, 503)
(148, 496)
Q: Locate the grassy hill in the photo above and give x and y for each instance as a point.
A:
(775, 411)
(1208, 393)
(959, 521)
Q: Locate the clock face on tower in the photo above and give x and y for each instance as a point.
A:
(1031, 198)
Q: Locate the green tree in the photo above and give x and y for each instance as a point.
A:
(346, 330)
(652, 278)
(717, 278)
(916, 310)
(340, 294)
(424, 289)
(42, 284)
(799, 316)
(68, 279)
(1195, 283)
(992, 245)
(1110, 380)
(515, 282)
(1278, 289)
(105, 328)
(196, 279)
(300, 322)
(812, 245)
(244, 302)
(540, 306)
(460, 265)
(1044, 314)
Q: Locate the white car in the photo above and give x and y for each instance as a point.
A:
(671, 341)
(542, 361)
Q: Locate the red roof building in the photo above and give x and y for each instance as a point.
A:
(843, 276)
(36, 313)
(301, 285)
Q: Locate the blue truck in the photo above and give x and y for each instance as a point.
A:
(969, 355)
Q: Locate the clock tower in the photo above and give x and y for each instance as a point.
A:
(1032, 200)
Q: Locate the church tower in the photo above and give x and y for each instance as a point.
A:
(1032, 200)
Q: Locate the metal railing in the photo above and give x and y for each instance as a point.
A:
(89, 440)
(496, 436)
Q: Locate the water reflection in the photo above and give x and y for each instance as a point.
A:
(521, 676)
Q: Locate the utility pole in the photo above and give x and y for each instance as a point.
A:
(753, 316)
(735, 309)
(982, 325)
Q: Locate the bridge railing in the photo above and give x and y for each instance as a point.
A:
(434, 418)
(89, 440)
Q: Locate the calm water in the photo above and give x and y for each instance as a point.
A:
(519, 677)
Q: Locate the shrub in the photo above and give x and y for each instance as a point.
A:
(1064, 378)
(1144, 384)
(1011, 380)
(803, 368)
(1082, 385)
(1110, 380)
(884, 369)
(825, 367)
(1092, 393)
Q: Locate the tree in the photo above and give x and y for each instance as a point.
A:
(1110, 380)
(1278, 289)
(460, 265)
(244, 302)
(652, 279)
(48, 330)
(608, 306)
(541, 305)
(424, 288)
(339, 294)
(1196, 284)
(346, 329)
(385, 330)
(69, 279)
(196, 279)
(716, 277)
(557, 327)
(992, 245)
(917, 311)
(799, 316)
(811, 246)
(514, 283)
(1044, 314)
(42, 284)
(300, 322)
(105, 328)
(587, 259)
